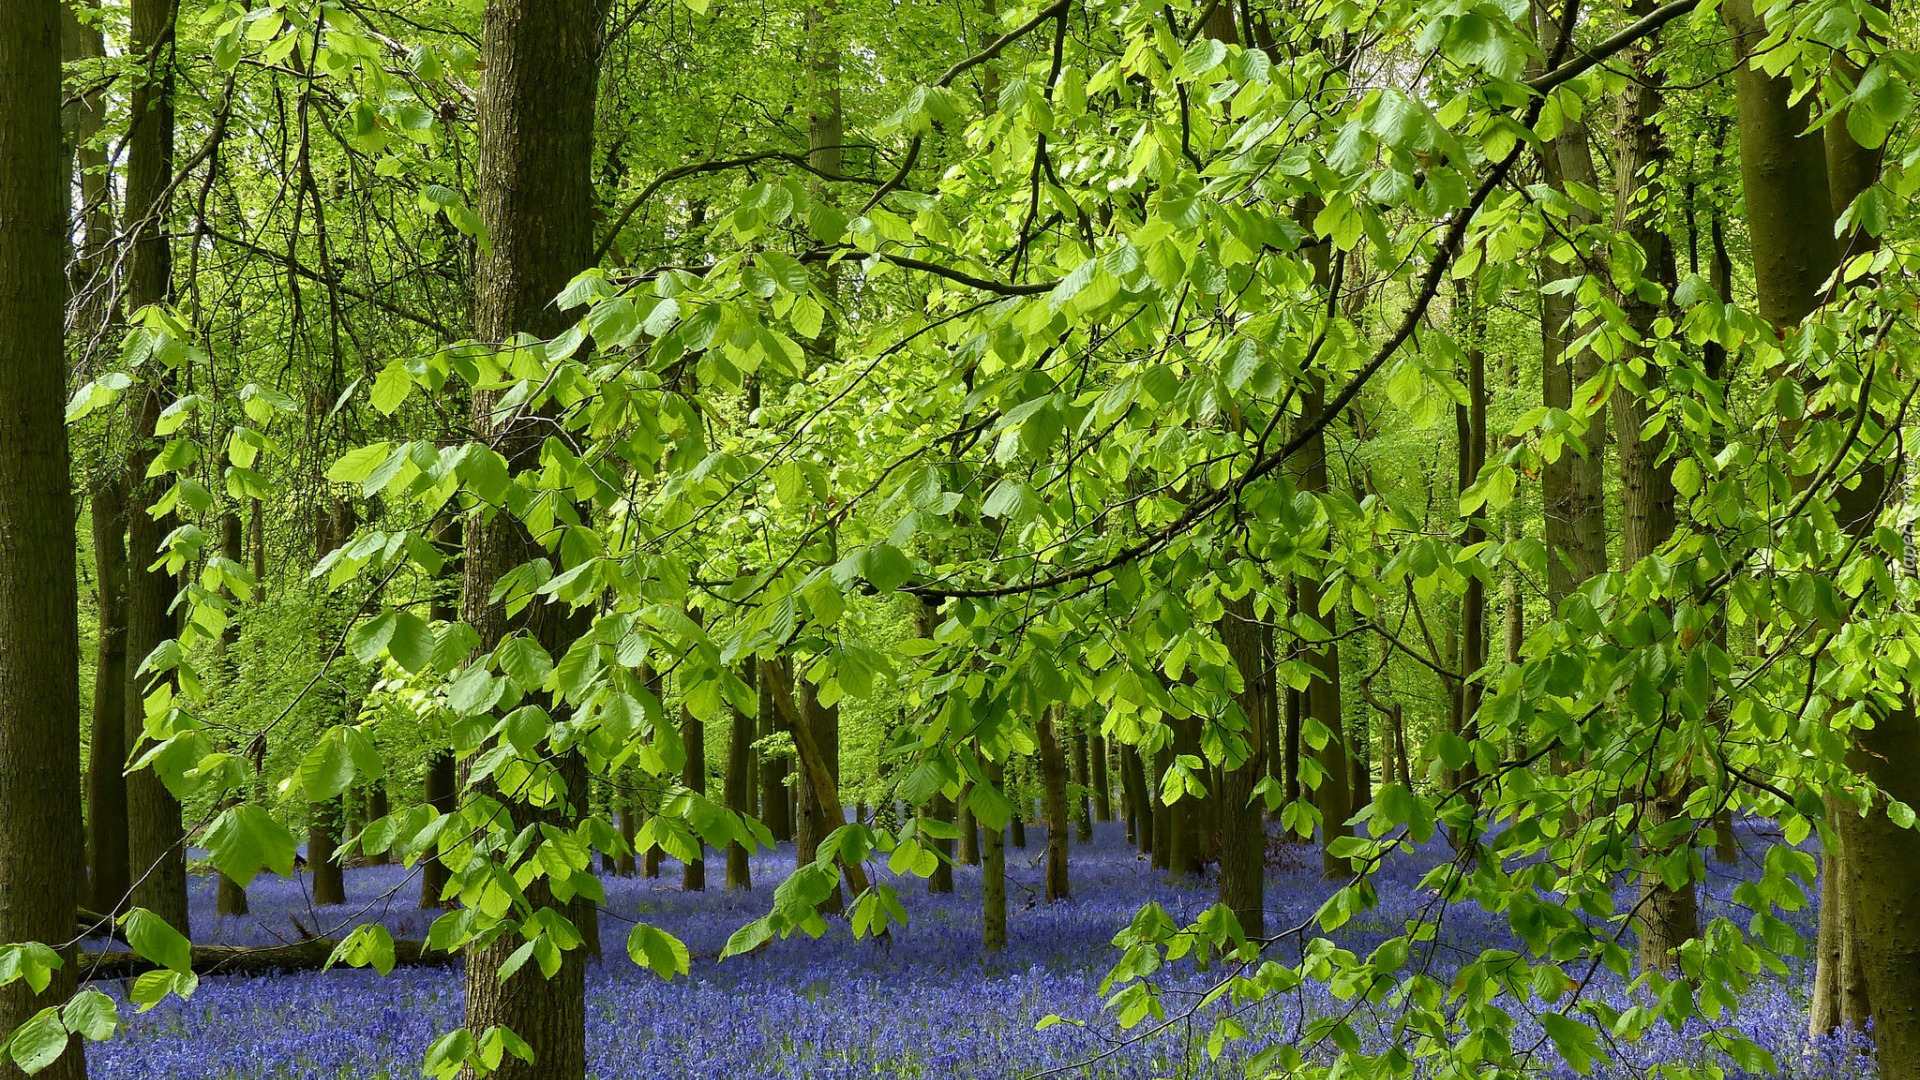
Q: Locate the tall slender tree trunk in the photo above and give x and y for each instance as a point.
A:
(41, 846)
(739, 786)
(693, 735)
(440, 781)
(1322, 702)
(156, 848)
(1669, 914)
(775, 799)
(1053, 785)
(817, 817)
(1140, 808)
(1571, 485)
(1082, 798)
(1275, 708)
(1186, 853)
(106, 761)
(535, 197)
(1243, 833)
(257, 538)
(969, 853)
(993, 876)
(1790, 199)
(1470, 422)
(941, 880)
(639, 806)
(81, 39)
(327, 819)
(1164, 816)
(819, 764)
(230, 896)
(1017, 824)
(1102, 781)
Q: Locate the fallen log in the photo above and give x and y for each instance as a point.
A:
(308, 955)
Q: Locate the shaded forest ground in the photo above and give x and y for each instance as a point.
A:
(928, 1003)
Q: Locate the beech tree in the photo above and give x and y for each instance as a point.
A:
(1023, 390)
(41, 851)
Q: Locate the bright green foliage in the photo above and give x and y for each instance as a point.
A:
(1046, 360)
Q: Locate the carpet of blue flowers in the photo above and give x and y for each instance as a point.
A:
(926, 1003)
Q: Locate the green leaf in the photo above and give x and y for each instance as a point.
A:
(152, 987)
(369, 639)
(411, 645)
(658, 950)
(1575, 1040)
(748, 938)
(447, 1054)
(244, 840)
(92, 1015)
(523, 660)
(152, 937)
(473, 691)
(887, 567)
(357, 464)
(368, 946)
(39, 1042)
(366, 757)
(391, 388)
(327, 768)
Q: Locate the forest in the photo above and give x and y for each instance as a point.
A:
(1098, 539)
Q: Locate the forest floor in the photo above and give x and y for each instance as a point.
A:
(925, 1003)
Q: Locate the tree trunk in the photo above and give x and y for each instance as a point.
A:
(257, 537)
(535, 197)
(378, 807)
(969, 853)
(1082, 780)
(1163, 815)
(1243, 833)
(629, 826)
(1783, 169)
(819, 765)
(1571, 485)
(42, 850)
(1133, 785)
(1140, 809)
(327, 820)
(941, 880)
(440, 791)
(106, 761)
(83, 119)
(1053, 785)
(1186, 852)
(1293, 704)
(1275, 708)
(775, 799)
(993, 876)
(1102, 783)
(1790, 199)
(1669, 915)
(693, 734)
(818, 726)
(440, 781)
(156, 853)
(739, 787)
(1470, 423)
(1322, 704)
(1839, 997)
(230, 896)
